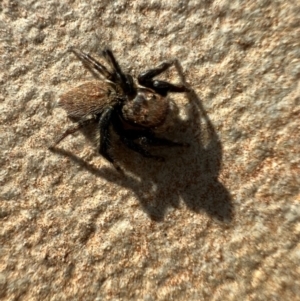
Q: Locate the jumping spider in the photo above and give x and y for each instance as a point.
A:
(134, 111)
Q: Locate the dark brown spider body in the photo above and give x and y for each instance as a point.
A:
(147, 109)
(116, 101)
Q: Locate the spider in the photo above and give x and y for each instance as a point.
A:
(133, 111)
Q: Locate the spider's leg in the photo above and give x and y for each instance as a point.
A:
(137, 148)
(80, 124)
(149, 74)
(91, 63)
(124, 79)
(148, 137)
(152, 140)
(108, 55)
(104, 123)
(128, 137)
(161, 87)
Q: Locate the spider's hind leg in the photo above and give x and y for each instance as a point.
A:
(80, 124)
(92, 64)
(110, 58)
(118, 76)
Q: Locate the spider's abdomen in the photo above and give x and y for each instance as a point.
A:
(146, 109)
(88, 98)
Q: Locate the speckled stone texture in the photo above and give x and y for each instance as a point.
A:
(218, 220)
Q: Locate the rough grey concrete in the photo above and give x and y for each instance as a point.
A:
(216, 221)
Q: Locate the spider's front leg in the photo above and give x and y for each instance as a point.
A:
(161, 87)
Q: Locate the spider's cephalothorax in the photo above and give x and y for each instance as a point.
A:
(133, 111)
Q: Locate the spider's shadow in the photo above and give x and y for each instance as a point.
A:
(194, 180)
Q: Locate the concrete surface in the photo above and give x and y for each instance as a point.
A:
(218, 220)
